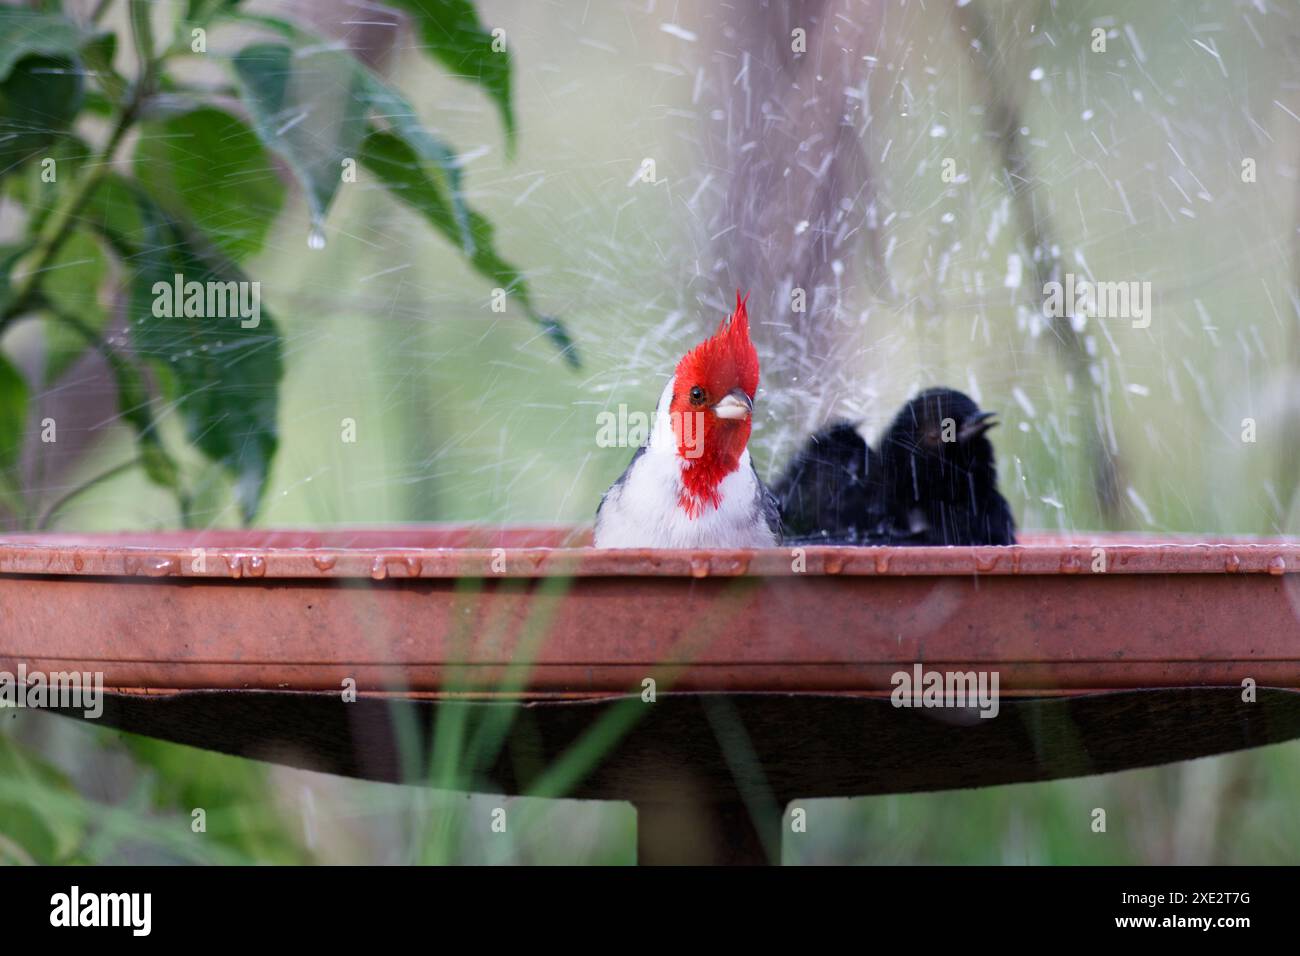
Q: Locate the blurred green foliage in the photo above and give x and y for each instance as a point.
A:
(201, 195)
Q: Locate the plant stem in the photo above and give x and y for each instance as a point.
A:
(81, 328)
(113, 472)
(1003, 119)
(142, 35)
(63, 219)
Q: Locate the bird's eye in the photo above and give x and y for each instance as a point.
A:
(697, 395)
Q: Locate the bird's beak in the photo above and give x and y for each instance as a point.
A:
(735, 404)
(976, 425)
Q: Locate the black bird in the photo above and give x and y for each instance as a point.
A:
(831, 492)
(932, 482)
(939, 476)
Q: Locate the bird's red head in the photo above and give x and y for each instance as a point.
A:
(713, 397)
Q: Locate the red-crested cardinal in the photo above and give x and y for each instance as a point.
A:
(693, 485)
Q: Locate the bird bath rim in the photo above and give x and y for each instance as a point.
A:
(436, 551)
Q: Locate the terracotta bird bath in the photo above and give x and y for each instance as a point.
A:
(724, 684)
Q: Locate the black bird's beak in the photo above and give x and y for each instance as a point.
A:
(976, 425)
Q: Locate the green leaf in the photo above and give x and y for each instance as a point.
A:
(37, 189)
(113, 211)
(406, 175)
(45, 834)
(310, 107)
(13, 387)
(134, 404)
(437, 160)
(71, 285)
(39, 98)
(42, 87)
(27, 32)
(210, 166)
(9, 255)
(98, 53)
(453, 35)
(273, 79)
(224, 377)
(201, 11)
(113, 214)
(13, 413)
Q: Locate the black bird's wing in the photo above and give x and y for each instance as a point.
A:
(830, 493)
(998, 526)
(768, 506)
